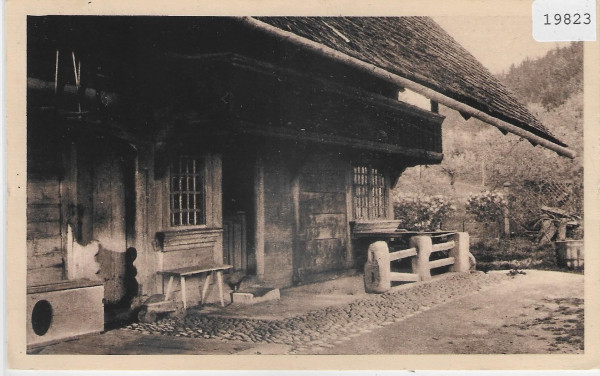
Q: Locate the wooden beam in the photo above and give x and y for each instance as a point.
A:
(349, 212)
(404, 277)
(443, 246)
(216, 174)
(259, 223)
(403, 254)
(378, 72)
(387, 181)
(348, 92)
(441, 262)
(295, 191)
(395, 173)
(107, 99)
(247, 128)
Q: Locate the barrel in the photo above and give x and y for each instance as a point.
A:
(569, 254)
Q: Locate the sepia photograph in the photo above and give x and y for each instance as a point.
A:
(301, 185)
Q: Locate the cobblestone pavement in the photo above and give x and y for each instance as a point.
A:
(325, 328)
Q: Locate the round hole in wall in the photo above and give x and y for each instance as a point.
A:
(41, 317)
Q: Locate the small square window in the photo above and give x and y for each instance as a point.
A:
(187, 198)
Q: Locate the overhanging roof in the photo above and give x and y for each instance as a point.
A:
(415, 53)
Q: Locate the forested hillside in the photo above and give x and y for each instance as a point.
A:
(478, 157)
(550, 80)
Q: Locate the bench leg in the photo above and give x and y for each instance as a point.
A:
(183, 296)
(220, 283)
(169, 287)
(205, 287)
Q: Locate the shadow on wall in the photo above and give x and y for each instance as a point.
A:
(118, 274)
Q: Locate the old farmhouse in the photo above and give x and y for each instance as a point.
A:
(156, 143)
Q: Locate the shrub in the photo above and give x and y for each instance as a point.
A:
(486, 207)
(515, 253)
(423, 214)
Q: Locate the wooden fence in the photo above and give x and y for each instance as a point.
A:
(378, 273)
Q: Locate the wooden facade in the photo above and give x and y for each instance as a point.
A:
(284, 146)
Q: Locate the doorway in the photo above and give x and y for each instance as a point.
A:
(238, 213)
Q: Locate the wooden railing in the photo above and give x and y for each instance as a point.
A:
(378, 272)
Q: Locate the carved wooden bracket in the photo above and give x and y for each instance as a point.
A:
(395, 174)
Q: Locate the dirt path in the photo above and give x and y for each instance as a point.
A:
(540, 312)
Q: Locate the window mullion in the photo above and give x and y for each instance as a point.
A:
(195, 206)
(180, 191)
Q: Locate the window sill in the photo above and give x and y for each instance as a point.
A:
(173, 240)
(191, 229)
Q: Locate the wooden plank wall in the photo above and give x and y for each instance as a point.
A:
(322, 233)
(106, 212)
(101, 199)
(278, 223)
(148, 221)
(44, 243)
(162, 246)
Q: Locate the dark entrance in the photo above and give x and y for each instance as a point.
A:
(238, 212)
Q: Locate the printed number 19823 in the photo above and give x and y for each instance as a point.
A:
(568, 19)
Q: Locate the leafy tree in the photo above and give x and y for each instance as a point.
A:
(478, 157)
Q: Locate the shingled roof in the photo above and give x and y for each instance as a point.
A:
(418, 49)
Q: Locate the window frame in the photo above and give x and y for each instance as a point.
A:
(201, 170)
(371, 179)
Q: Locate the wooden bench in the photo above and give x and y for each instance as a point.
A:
(182, 273)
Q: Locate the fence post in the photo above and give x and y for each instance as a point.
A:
(505, 212)
(420, 263)
(460, 252)
(377, 268)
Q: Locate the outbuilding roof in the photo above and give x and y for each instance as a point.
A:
(417, 50)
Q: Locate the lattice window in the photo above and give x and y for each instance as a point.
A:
(370, 196)
(187, 198)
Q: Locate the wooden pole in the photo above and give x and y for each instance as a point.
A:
(259, 195)
(403, 82)
(420, 264)
(296, 252)
(460, 253)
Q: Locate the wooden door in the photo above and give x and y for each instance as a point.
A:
(234, 241)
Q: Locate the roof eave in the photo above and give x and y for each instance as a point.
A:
(404, 82)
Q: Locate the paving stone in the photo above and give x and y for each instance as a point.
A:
(329, 325)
